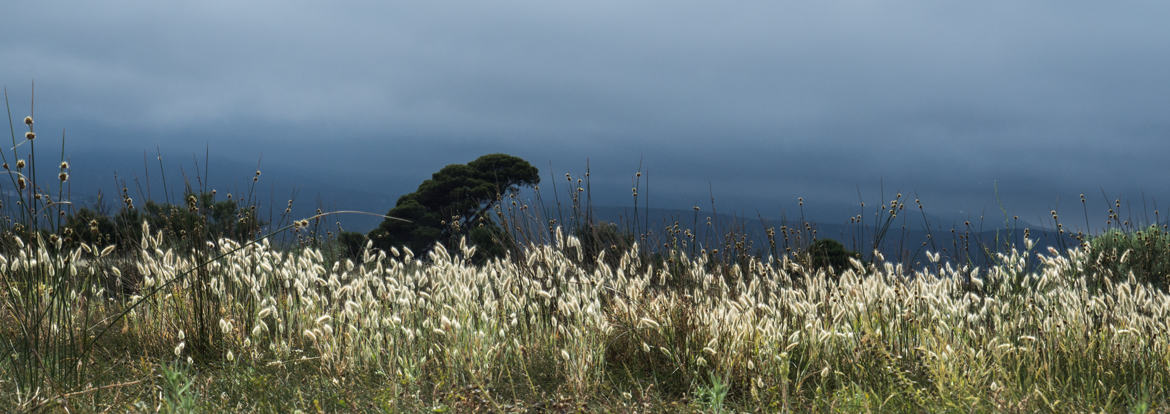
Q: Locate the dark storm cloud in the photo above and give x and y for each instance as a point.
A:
(763, 100)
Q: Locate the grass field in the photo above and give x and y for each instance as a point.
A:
(269, 330)
(250, 326)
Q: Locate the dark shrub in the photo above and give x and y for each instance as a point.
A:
(825, 253)
(600, 237)
(1146, 253)
(352, 244)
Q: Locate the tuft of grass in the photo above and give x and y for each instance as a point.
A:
(711, 396)
(178, 396)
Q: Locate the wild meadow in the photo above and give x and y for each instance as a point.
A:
(232, 320)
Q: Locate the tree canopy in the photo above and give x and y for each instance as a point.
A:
(454, 203)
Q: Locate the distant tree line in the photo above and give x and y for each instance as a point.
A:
(199, 219)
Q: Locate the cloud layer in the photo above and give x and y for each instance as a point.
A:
(764, 100)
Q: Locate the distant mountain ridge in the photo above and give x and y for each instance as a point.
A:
(94, 171)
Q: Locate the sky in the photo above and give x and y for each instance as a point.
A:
(969, 105)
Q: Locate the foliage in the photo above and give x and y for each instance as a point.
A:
(829, 253)
(89, 226)
(603, 236)
(177, 391)
(203, 218)
(490, 241)
(352, 244)
(454, 203)
(712, 396)
(1146, 253)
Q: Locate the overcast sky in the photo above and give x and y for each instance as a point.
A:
(763, 101)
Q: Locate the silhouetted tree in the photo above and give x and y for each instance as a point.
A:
(453, 203)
